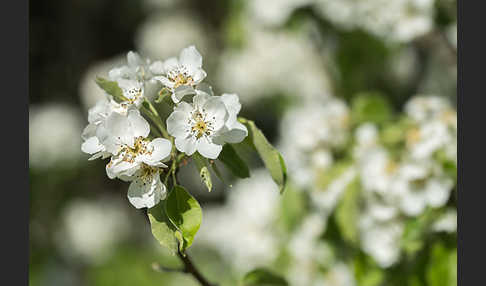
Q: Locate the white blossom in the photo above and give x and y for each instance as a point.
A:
(447, 222)
(398, 20)
(281, 62)
(243, 229)
(181, 74)
(163, 35)
(419, 185)
(206, 124)
(54, 136)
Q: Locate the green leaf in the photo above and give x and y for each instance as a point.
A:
(347, 212)
(366, 271)
(162, 229)
(112, 88)
(417, 229)
(442, 261)
(263, 277)
(185, 213)
(270, 156)
(201, 165)
(371, 107)
(230, 159)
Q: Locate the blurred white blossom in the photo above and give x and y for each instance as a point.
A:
(308, 134)
(447, 222)
(90, 229)
(273, 62)
(242, 229)
(398, 20)
(274, 12)
(164, 35)
(54, 139)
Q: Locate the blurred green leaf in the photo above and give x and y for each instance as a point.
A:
(263, 277)
(371, 107)
(327, 176)
(162, 229)
(441, 269)
(185, 213)
(201, 165)
(366, 271)
(112, 88)
(232, 160)
(416, 230)
(270, 156)
(347, 212)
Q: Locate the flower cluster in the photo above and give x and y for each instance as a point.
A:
(136, 150)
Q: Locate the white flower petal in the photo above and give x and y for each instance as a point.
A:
(139, 126)
(91, 145)
(186, 145)
(177, 123)
(216, 112)
(157, 67)
(236, 134)
(208, 149)
(164, 81)
(200, 99)
(146, 194)
(191, 58)
(160, 150)
(170, 64)
(134, 60)
(182, 91)
(198, 75)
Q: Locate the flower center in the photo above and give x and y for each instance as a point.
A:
(180, 76)
(139, 147)
(133, 94)
(200, 126)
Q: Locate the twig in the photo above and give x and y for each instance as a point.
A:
(191, 269)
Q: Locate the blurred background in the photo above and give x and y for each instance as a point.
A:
(359, 96)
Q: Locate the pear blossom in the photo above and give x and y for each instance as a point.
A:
(96, 116)
(418, 185)
(136, 69)
(181, 74)
(206, 124)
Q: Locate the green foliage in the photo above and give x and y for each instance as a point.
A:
(162, 229)
(366, 271)
(185, 213)
(202, 167)
(263, 277)
(270, 156)
(327, 176)
(232, 160)
(347, 212)
(416, 230)
(442, 266)
(371, 107)
(112, 88)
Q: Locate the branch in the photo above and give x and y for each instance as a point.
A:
(191, 269)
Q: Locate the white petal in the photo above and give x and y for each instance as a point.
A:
(177, 123)
(138, 124)
(216, 112)
(186, 145)
(170, 64)
(200, 99)
(160, 150)
(412, 204)
(232, 103)
(117, 73)
(91, 145)
(182, 91)
(438, 192)
(146, 194)
(134, 59)
(198, 75)
(119, 168)
(157, 67)
(208, 149)
(235, 134)
(191, 58)
(164, 81)
(116, 130)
